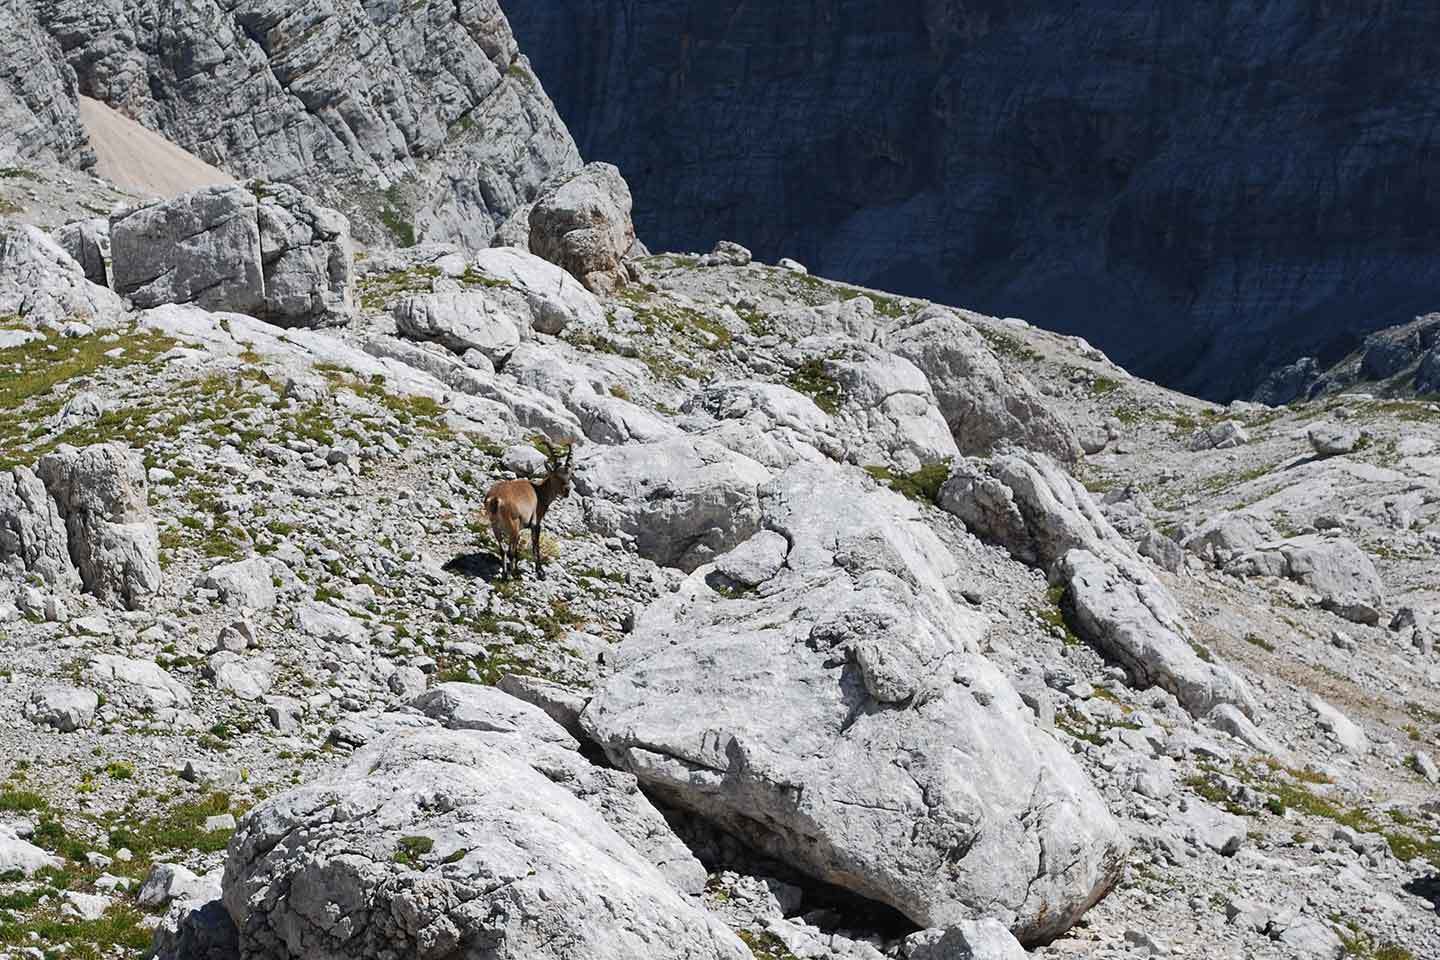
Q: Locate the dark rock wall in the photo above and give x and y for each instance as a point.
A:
(1205, 190)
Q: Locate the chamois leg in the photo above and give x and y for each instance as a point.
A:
(535, 547)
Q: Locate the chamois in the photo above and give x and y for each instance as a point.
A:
(514, 505)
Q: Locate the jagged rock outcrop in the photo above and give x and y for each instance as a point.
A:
(885, 411)
(838, 717)
(39, 115)
(583, 224)
(767, 422)
(261, 249)
(42, 283)
(984, 404)
(1046, 518)
(101, 494)
(959, 170)
(463, 843)
(88, 244)
(419, 121)
(33, 539)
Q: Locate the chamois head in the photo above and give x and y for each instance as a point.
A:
(560, 469)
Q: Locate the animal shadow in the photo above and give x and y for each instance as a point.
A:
(484, 566)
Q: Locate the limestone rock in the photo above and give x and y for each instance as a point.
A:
(248, 678)
(1220, 436)
(843, 722)
(483, 320)
(1337, 570)
(685, 501)
(1331, 439)
(887, 413)
(557, 300)
(43, 283)
(101, 493)
(968, 940)
(33, 538)
(261, 249)
(469, 706)
(88, 244)
(1045, 517)
(63, 707)
(21, 855)
(584, 225)
(142, 682)
(201, 247)
(455, 845)
(245, 583)
(307, 263)
(38, 94)
(983, 403)
(767, 422)
(418, 121)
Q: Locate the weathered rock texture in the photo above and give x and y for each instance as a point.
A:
(584, 226)
(1045, 517)
(100, 493)
(261, 249)
(488, 841)
(418, 120)
(982, 402)
(42, 283)
(1167, 197)
(39, 114)
(839, 717)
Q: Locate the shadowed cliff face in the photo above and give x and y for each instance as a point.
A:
(1204, 190)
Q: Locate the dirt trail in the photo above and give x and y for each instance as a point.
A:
(139, 159)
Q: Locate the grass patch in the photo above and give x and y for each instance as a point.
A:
(21, 801)
(922, 485)
(811, 379)
(1255, 640)
(412, 849)
(765, 945)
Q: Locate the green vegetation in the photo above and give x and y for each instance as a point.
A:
(377, 290)
(922, 485)
(1255, 640)
(30, 373)
(1359, 944)
(1009, 346)
(765, 945)
(811, 379)
(413, 849)
(1052, 615)
(21, 801)
(395, 220)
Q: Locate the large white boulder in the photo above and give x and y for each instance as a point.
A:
(42, 282)
(886, 413)
(685, 500)
(557, 300)
(258, 248)
(838, 717)
(466, 844)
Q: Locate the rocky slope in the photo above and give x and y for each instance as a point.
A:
(1206, 191)
(420, 121)
(872, 628)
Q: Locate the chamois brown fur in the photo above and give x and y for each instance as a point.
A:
(516, 505)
